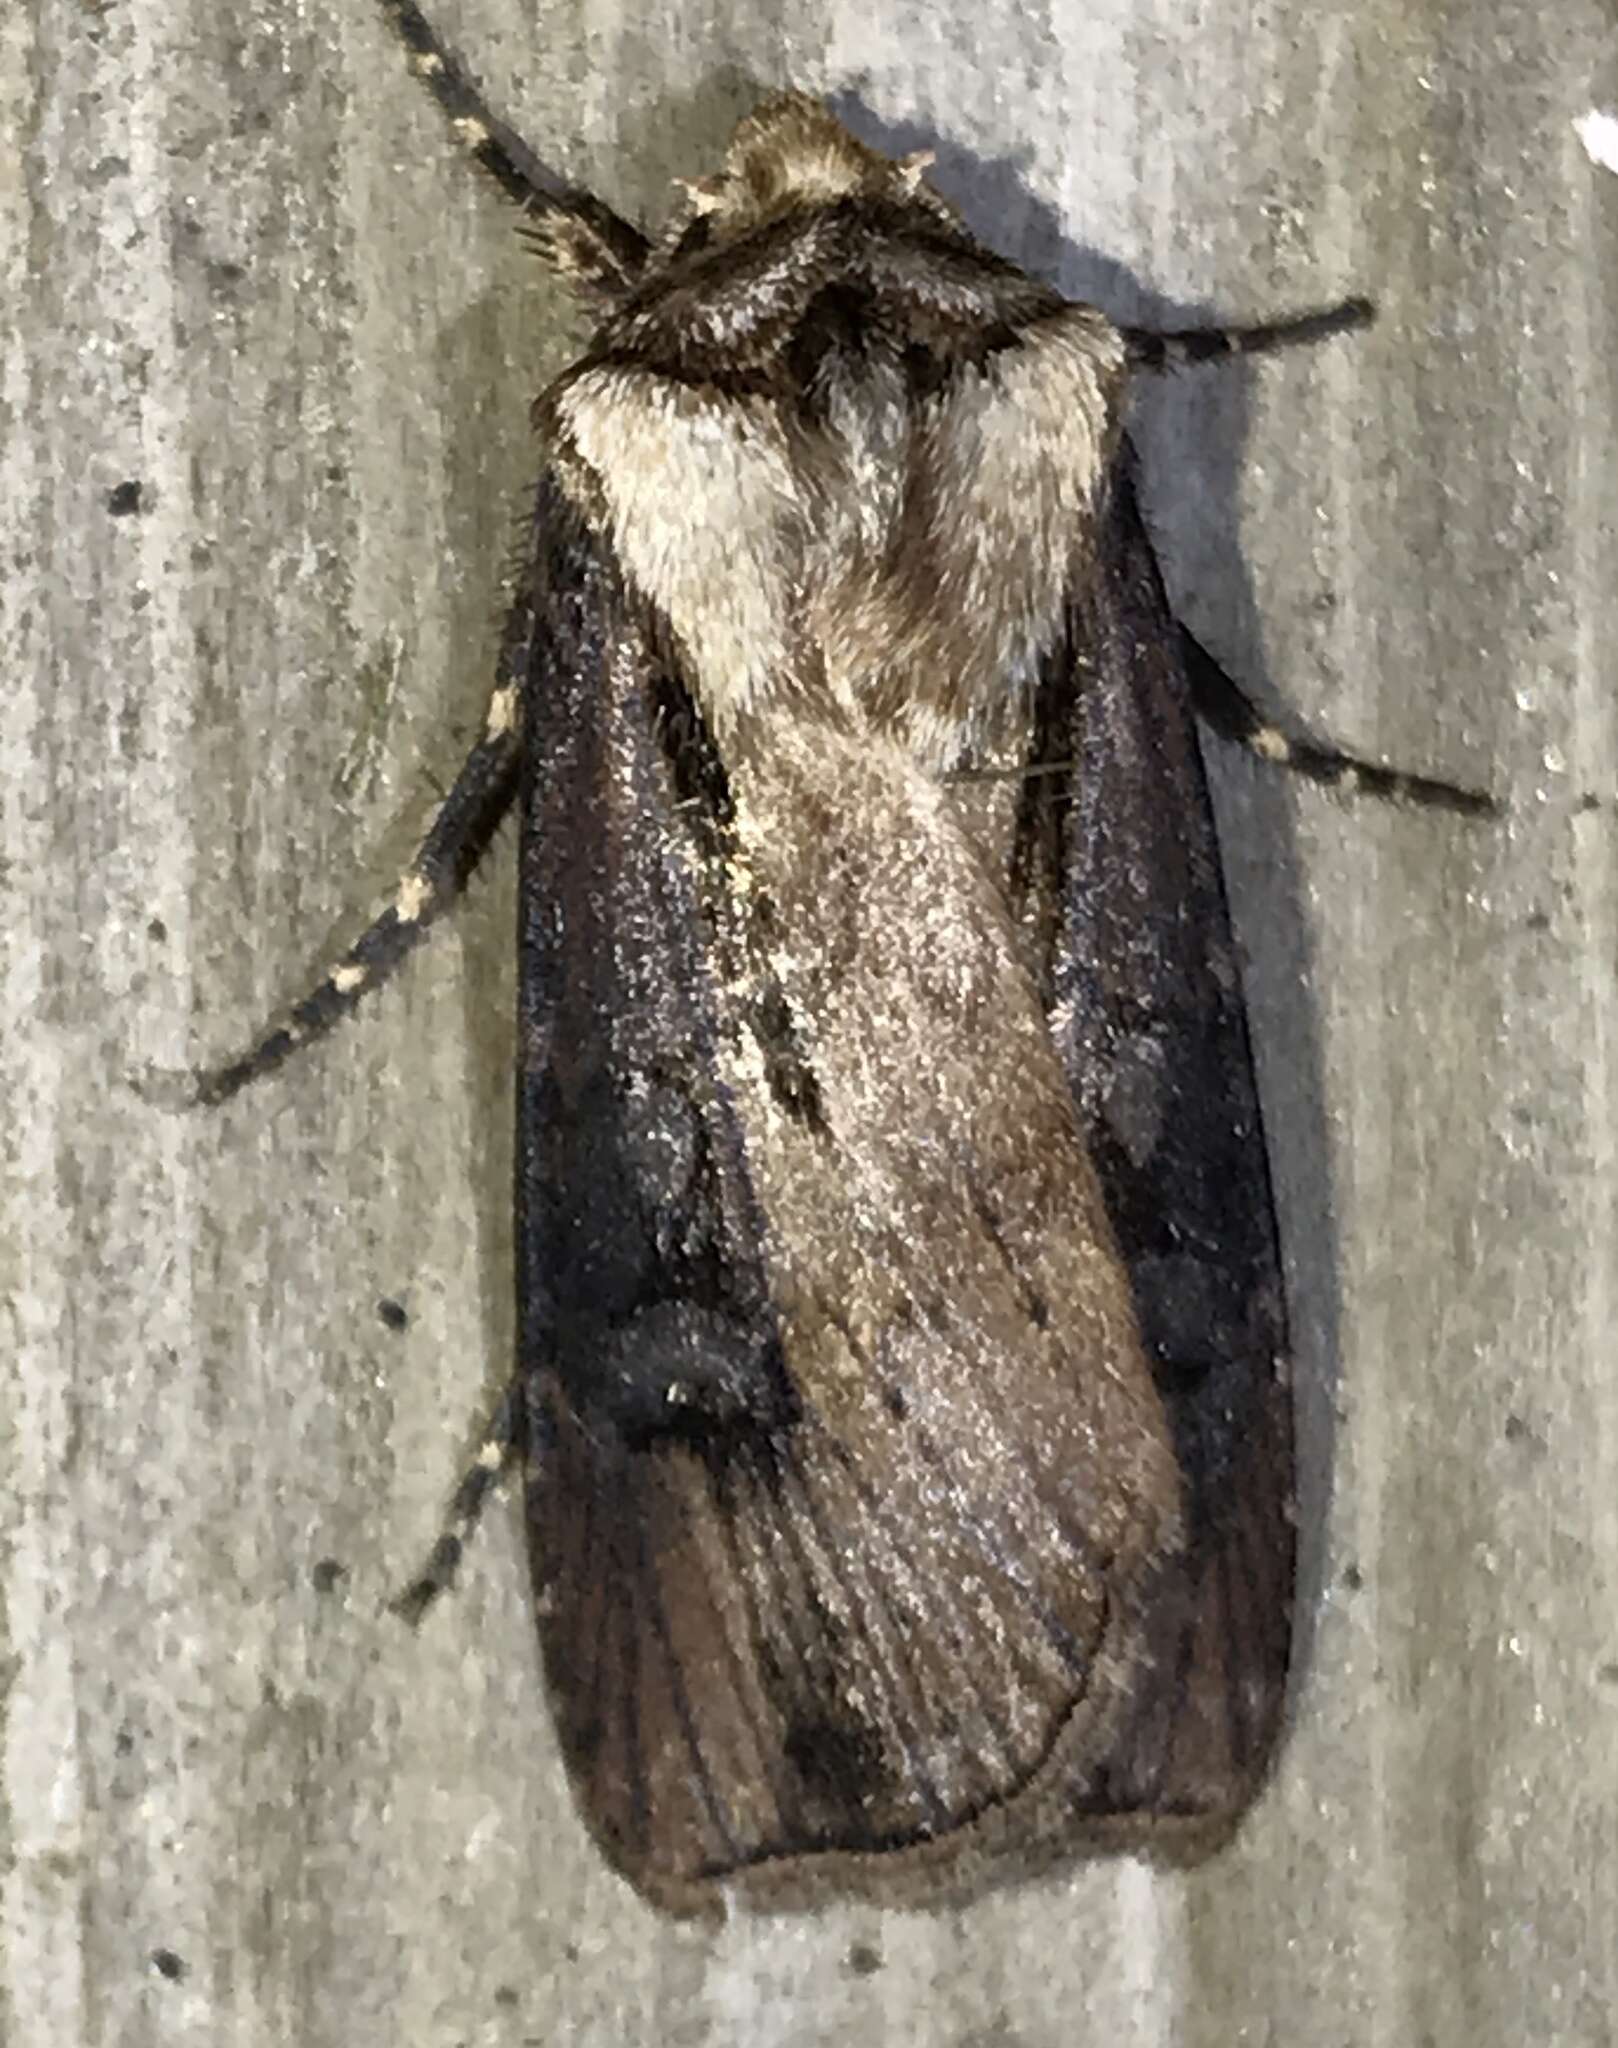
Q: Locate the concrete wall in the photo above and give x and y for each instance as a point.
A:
(243, 268)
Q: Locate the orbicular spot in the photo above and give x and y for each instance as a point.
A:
(678, 1373)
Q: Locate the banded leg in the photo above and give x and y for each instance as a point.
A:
(1180, 347)
(593, 247)
(456, 840)
(502, 1446)
(1223, 705)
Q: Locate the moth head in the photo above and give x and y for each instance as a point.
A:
(789, 154)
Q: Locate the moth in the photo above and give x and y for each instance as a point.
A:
(902, 1390)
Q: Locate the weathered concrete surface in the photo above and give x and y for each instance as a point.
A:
(243, 268)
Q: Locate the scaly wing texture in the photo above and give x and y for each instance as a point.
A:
(850, 1488)
(1150, 1024)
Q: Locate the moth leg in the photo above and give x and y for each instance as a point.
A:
(455, 842)
(1149, 350)
(502, 1445)
(593, 246)
(1223, 705)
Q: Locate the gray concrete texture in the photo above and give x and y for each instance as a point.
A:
(244, 268)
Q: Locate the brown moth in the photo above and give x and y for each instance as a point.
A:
(902, 1391)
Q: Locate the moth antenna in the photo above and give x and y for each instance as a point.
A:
(1180, 347)
(1223, 705)
(595, 249)
(501, 1446)
(456, 841)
